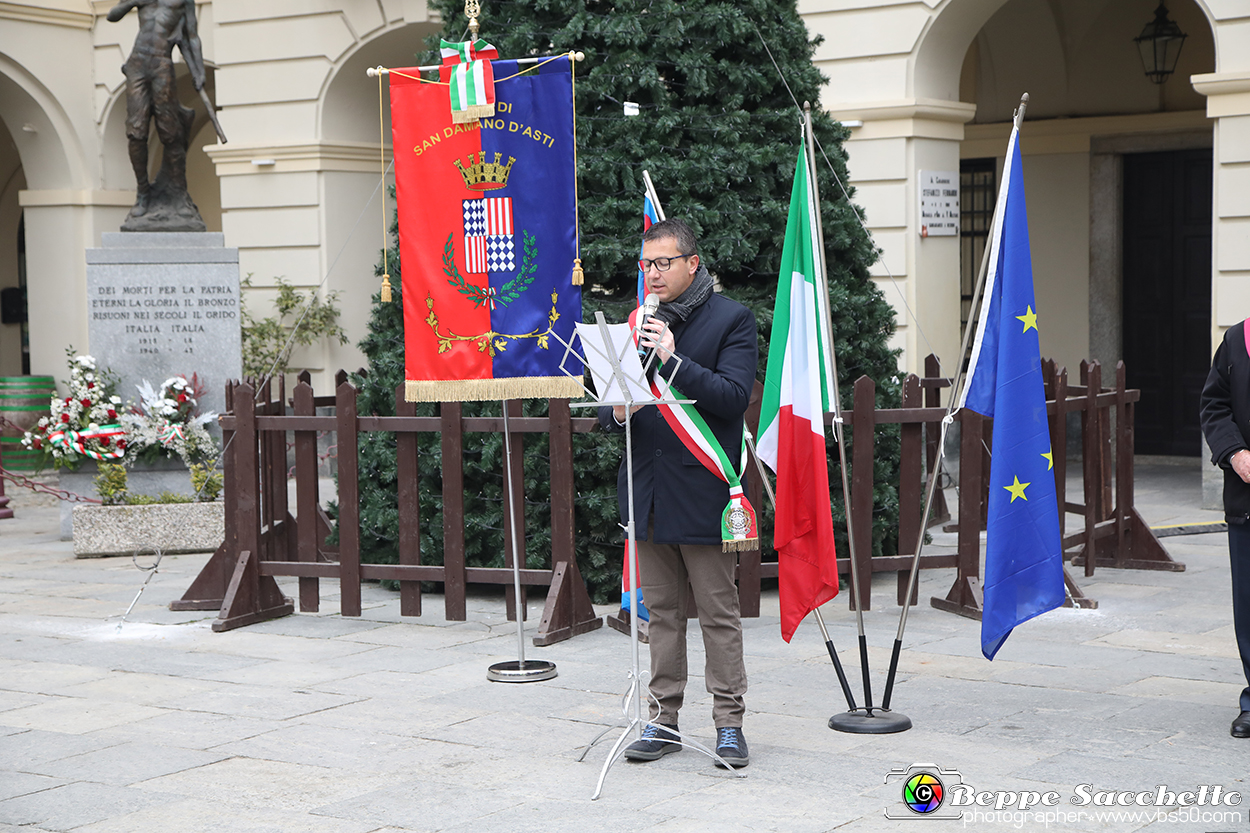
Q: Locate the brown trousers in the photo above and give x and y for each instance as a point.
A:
(668, 573)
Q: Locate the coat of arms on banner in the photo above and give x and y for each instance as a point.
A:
(487, 219)
(489, 251)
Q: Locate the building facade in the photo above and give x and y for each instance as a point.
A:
(1138, 193)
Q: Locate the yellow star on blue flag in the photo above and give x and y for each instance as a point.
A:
(1023, 554)
(1017, 490)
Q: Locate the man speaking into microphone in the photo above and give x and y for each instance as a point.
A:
(680, 502)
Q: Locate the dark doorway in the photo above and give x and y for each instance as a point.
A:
(1167, 294)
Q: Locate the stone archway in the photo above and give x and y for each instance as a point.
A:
(1091, 105)
(349, 122)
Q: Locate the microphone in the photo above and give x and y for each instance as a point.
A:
(649, 306)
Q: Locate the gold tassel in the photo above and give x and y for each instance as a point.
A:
(472, 113)
(386, 288)
(579, 277)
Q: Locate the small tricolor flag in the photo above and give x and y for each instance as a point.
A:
(472, 82)
(797, 389)
(649, 218)
(1023, 553)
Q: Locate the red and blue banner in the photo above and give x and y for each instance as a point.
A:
(487, 237)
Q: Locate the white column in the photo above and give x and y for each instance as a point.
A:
(1228, 101)
(918, 276)
(60, 225)
(296, 210)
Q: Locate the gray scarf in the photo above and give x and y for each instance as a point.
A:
(696, 295)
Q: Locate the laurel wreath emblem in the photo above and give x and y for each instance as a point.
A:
(505, 294)
(491, 342)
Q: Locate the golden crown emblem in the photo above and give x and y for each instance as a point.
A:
(485, 176)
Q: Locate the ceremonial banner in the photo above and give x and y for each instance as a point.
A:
(487, 237)
(1023, 555)
(797, 389)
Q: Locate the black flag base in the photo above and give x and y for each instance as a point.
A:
(878, 721)
(523, 671)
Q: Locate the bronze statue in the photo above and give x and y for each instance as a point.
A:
(151, 92)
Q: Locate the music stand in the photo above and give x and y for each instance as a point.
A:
(611, 354)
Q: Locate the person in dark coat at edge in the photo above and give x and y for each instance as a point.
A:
(678, 502)
(1225, 411)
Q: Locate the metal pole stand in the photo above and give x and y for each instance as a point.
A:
(875, 722)
(626, 389)
(867, 719)
(519, 670)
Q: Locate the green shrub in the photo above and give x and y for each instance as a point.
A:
(110, 483)
(267, 342)
(206, 482)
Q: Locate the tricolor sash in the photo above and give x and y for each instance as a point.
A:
(739, 530)
(472, 79)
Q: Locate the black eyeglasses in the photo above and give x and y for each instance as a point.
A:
(662, 264)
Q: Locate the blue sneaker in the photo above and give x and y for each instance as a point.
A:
(731, 745)
(658, 740)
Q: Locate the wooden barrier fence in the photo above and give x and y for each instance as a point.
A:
(1113, 530)
(264, 540)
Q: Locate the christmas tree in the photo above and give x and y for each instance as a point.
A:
(718, 130)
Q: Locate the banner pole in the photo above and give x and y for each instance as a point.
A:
(519, 671)
(373, 72)
(820, 620)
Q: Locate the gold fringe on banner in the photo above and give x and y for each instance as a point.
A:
(485, 390)
(740, 546)
(472, 113)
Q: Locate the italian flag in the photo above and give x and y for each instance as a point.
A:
(797, 388)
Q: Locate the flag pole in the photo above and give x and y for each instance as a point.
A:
(833, 652)
(960, 378)
(655, 199)
(867, 721)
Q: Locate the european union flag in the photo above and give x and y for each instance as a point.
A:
(1023, 554)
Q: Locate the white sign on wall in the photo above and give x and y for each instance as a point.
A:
(939, 203)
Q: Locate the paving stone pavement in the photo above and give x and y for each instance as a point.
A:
(380, 724)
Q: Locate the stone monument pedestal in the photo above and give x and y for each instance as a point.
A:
(164, 304)
(159, 305)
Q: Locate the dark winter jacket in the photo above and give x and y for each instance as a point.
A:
(717, 346)
(1225, 413)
